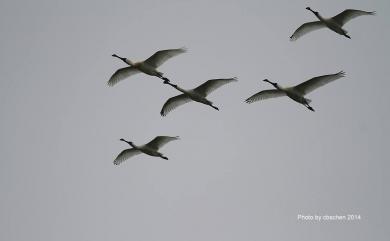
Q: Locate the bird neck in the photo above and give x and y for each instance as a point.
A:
(129, 62)
(278, 87)
(132, 145)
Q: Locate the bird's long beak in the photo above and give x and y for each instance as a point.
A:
(311, 10)
(266, 80)
(116, 56)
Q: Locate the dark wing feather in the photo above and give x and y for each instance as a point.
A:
(124, 155)
(211, 85)
(265, 94)
(121, 74)
(306, 28)
(161, 56)
(160, 141)
(173, 103)
(349, 14)
(316, 82)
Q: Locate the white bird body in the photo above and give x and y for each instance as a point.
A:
(150, 148)
(295, 95)
(335, 23)
(297, 92)
(335, 26)
(149, 66)
(146, 68)
(197, 94)
(147, 150)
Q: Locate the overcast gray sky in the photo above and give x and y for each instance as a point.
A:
(243, 173)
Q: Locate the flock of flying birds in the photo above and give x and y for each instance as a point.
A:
(200, 93)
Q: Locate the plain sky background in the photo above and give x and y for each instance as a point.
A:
(243, 173)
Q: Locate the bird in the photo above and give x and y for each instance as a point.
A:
(149, 66)
(197, 94)
(297, 92)
(150, 148)
(335, 23)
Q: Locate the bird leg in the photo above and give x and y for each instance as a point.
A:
(164, 157)
(160, 75)
(214, 107)
(309, 107)
(166, 80)
(346, 35)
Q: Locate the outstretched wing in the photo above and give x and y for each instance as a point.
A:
(121, 74)
(349, 14)
(211, 85)
(306, 28)
(161, 56)
(124, 155)
(316, 82)
(265, 94)
(173, 103)
(160, 141)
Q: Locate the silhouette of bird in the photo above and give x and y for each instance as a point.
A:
(335, 23)
(197, 94)
(150, 148)
(148, 66)
(297, 92)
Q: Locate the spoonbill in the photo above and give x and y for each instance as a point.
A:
(335, 23)
(197, 94)
(149, 66)
(150, 148)
(297, 92)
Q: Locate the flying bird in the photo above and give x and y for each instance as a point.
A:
(197, 94)
(150, 148)
(335, 23)
(148, 66)
(297, 92)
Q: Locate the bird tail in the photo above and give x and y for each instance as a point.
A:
(308, 100)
